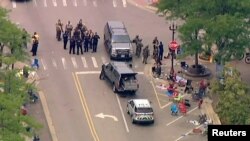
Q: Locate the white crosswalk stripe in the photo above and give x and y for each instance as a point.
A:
(54, 62)
(54, 3)
(64, 63)
(35, 3)
(64, 3)
(94, 3)
(94, 62)
(43, 64)
(73, 59)
(13, 4)
(103, 60)
(45, 3)
(85, 65)
(75, 3)
(114, 3)
(124, 3)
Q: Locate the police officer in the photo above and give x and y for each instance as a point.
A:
(86, 43)
(145, 54)
(72, 45)
(65, 40)
(79, 45)
(96, 37)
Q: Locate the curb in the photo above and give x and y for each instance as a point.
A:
(146, 7)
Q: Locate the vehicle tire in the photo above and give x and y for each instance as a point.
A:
(247, 59)
(102, 76)
(133, 121)
(128, 111)
(114, 88)
(153, 122)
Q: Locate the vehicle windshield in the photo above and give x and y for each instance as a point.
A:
(121, 39)
(143, 110)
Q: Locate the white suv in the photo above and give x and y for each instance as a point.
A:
(140, 110)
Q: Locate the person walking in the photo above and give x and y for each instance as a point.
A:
(145, 55)
(65, 40)
(96, 37)
(79, 46)
(161, 50)
(72, 45)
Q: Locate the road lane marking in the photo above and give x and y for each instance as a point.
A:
(48, 116)
(94, 62)
(54, 62)
(64, 63)
(64, 3)
(35, 3)
(114, 3)
(94, 3)
(73, 59)
(104, 61)
(45, 3)
(85, 65)
(43, 64)
(157, 98)
(190, 131)
(14, 4)
(85, 107)
(96, 72)
(123, 117)
(124, 3)
(75, 3)
(85, 2)
(54, 3)
(172, 102)
(180, 117)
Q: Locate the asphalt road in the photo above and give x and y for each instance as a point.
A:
(74, 95)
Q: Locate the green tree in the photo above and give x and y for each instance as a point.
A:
(226, 23)
(233, 106)
(11, 36)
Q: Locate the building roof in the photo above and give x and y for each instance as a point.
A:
(142, 103)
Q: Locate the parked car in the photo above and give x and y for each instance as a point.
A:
(121, 76)
(117, 41)
(140, 111)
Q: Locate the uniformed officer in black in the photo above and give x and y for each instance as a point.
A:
(86, 44)
(79, 45)
(65, 40)
(96, 37)
(72, 45)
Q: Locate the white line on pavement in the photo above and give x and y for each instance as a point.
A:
(94, 62)
(75, 3)
(13, 4)
(181, 117)
(54, 62)
(45, 3)
(124, 3)
(54, 3)
(73, 59)
(157, 98)
(64, 3)
(85, 65)
(48, 116)
(171, 102)
(64, 63)
(103, 60)
(123, 117)
(35, 3)
(114, 3)
(96, 72)
(188, 133)
(94, 3)
(85, 2)
(44, 65)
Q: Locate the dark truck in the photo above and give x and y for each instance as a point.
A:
(121, 76)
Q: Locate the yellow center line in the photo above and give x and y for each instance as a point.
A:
(85, 107)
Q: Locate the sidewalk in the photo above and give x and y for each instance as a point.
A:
(206, 107)
(145, 4)
(36, 110)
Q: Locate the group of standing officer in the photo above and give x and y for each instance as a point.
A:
(79, 37)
